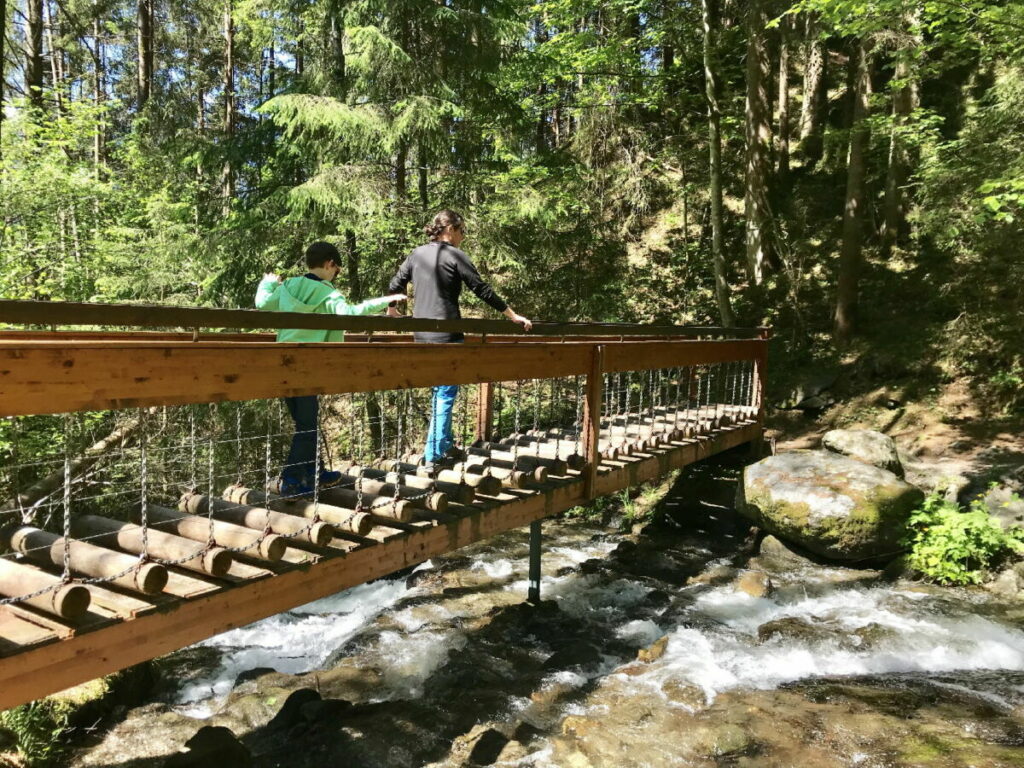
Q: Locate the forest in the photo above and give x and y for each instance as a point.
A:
(821, 168)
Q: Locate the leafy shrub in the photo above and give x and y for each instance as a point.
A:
(34, 731)
(951, 545)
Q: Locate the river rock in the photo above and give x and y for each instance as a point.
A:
(1007, 583)
(212, 747)
(654, 651)
(777, 555)
(1005, 506)
(754, 583)
(833, 506)
(481, 746)
(865, 445)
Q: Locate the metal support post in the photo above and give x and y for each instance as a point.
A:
(533, 595)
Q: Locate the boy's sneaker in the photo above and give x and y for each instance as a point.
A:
(290, 487)
(329, 478)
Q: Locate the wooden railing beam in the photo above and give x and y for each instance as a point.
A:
(63, 313)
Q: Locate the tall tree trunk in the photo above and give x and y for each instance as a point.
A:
(229, 104)
(783, 158)
(34, 54)
(338, 63)
(424, 190)
(56, 58)
(904, 102)
(401, 163)
(850, 256)
(98, 92)
(710, 17)
(759, 142)
(300, 49)
(3, 61)
(144, 73)
(272, 63)
(355, 287)
(812, 111)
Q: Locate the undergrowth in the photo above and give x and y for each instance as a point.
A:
(952, 545)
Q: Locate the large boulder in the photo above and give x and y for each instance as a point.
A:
(865, 445)
(835, 507)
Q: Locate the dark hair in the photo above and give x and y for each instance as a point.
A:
(320, 252)
(443, 220)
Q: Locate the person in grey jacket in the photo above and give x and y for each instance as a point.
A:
(439, 270)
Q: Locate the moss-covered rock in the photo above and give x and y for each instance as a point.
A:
(833, 506)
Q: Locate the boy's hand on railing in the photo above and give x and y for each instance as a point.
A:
(393, 312)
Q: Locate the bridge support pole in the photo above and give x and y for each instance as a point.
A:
(592, 421)
(485, 412)
(533, 595)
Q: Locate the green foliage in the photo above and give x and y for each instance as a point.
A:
(952, 545)
(35, 732)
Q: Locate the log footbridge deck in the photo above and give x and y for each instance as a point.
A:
(139, 467)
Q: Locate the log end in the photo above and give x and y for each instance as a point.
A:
(361, 523)
(321, 534)
(151, 578)
(71, 601)
(217, 561)
(272, 547)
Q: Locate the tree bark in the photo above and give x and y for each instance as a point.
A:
(144, 72)
(229, 104)
(904, 102)
(812, 110)
(759, 142)
(355, 286)
(34, 54)
(710, 18)
(56, 59)
(401, 162)
(98, 92)
(424, 190)
(783, 158)
(3, 61)
(850, 255)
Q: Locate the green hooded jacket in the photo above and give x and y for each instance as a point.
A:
(301, 294)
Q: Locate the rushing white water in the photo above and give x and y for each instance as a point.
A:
(712, 642)
(292, 642)
(720, 649)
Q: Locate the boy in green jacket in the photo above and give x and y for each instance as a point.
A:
(311, 293)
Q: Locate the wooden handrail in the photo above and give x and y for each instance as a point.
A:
(66, 313)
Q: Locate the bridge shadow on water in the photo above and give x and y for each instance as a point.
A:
(507, 661)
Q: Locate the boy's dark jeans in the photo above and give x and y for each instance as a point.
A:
(301, 463)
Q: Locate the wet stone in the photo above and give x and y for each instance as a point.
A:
(212, 747)
(654, 651)
(754, 583)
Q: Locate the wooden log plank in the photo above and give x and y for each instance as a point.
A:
(257, 518)
(269, 547)
(344, 520)
(65, 600)
(165, 546)
(87, 559)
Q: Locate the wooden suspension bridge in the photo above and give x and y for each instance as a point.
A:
(90, 584)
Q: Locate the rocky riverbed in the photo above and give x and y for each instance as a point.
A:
(668, 646)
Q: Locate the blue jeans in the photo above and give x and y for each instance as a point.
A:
(302, 459)
(439, 434)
